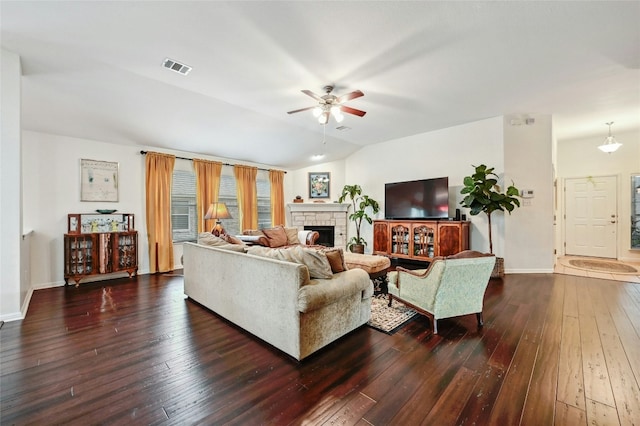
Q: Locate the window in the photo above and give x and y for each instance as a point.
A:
(183, 206)
(183, 201)
(264, 200)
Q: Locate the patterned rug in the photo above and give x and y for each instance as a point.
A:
(603, 266)
(386, 319)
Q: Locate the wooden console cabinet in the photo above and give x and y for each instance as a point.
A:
(99, 244)
(419, 239)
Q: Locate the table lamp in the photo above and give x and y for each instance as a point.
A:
(217, 211)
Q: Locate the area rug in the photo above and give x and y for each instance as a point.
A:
(389, 319)
(603, 266)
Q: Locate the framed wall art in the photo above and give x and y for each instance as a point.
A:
(319, 184)
(98, 180)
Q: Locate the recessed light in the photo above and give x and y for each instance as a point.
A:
(317, 157)
(176, 66)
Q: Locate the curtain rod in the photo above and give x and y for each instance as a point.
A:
(224, 164)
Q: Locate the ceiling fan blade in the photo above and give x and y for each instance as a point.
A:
(349, 96)
(313, 95)
(300, 110)
(353, 111)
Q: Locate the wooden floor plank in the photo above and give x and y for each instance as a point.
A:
(597, 385)
(570, 375)
(623, 383)
(601, 414)
(566, 415)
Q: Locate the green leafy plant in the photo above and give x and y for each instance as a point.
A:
(361, 203)
(484, 195)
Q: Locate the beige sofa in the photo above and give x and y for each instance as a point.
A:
(276, 300)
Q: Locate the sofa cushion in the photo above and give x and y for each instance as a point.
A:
(320, 294)
(315, 260)
(277, 236)
(208, 239)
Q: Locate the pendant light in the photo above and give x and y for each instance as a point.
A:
(610, 143)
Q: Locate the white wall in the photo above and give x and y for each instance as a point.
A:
(528, 163)
(12, 293)
(582, 158)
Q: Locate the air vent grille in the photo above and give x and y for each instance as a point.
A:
(176, 66)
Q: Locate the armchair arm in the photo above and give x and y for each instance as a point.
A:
(419, 287)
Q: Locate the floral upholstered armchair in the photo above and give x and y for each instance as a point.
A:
(450, 287)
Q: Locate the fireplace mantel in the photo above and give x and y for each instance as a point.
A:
(318, 207)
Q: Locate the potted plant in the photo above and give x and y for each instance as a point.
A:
(361, 203)
(484, 195)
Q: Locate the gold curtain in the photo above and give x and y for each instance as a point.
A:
(276, 179)
(207, 189)
(247, 196)
(159, 176)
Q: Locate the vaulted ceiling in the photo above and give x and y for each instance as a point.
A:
(93, 70)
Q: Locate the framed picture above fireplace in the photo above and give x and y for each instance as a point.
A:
(319, 185)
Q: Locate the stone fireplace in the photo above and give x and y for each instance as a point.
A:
(303, 215)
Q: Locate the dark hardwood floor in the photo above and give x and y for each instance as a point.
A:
(555, 349)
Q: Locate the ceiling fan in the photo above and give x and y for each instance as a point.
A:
(331, 105)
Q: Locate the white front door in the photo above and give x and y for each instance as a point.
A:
(591, 216)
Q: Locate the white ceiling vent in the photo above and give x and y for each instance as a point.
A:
(176, 66)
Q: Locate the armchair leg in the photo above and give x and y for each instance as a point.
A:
(480, 319)
(390, 300)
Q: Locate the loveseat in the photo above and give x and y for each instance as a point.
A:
(275, 300)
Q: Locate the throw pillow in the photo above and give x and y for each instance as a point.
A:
(292, 235)
(335, 255)
(277, 236)
(315, 260)
(208, 239)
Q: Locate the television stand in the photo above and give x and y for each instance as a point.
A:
(419, 240)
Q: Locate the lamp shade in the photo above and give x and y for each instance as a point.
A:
(217, 211)
(610, 143)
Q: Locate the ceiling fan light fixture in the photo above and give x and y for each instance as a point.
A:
(324, 117)
(610, 143)
(335, 111)
(317, 111)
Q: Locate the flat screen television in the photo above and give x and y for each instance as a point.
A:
(417, 199)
